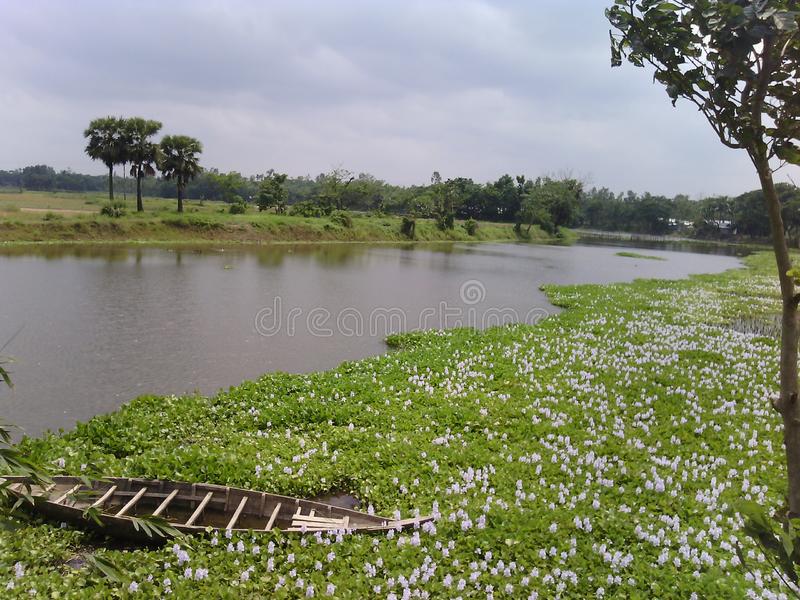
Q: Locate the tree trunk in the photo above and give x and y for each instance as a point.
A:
(139, 205)
(111, 182)
(786, 404)
(180, 198)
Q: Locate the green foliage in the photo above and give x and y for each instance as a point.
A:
(550, 204)
(141, 151)
(624, 426)
(106, 143)
(342, 218)
(114, 209)
(179, 161)
(155, 527)
(306, 209)
(408, 226)
(272, 192)
(105, 567)
(736, 62)
(51, 216)
(13, 461)
(443, 199)
(641, 256)
(471, 226)
(779, 540)
(239, 207)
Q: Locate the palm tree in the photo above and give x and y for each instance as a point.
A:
(106, 144)
(179, 161)
(142, 151)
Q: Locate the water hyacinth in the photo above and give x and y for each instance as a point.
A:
(599, 454)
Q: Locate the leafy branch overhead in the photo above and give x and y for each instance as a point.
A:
(737, 61)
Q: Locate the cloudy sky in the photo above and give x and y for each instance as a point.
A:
(394, 88)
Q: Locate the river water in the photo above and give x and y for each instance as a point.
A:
(90, 327)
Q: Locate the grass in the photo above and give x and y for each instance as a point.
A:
(58, 217)
(641, 256)
(599, 454)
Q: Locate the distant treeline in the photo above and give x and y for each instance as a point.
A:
(500, 200)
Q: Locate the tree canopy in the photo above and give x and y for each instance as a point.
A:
(142, 151)
(179, 161)
(105, 142)
(738, 62)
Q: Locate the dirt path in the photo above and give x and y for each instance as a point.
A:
(60, 211)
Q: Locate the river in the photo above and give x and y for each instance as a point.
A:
(90, 327)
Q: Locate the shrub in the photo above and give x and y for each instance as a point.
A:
(445, 221)
(305, 208)
(51, 216)
(238, 208)
(471, 226)
(408, 227)
(342, 218)
(114, 209)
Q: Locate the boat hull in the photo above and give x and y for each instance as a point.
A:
(122, 504)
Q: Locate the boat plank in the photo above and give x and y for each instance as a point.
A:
(63, 496)
(317, 519)
(199, 510)
(131, 502)
(102, 499)
(273, 516)
(236, 514)
(165, 502)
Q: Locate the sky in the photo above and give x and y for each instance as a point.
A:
(397, 89)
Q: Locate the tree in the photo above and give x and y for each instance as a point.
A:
(550, 203)
(228, 187)
(179, 161)
(443, 202)
(737, 61)
(105, 143)
(332, 190)
(271, 192)
(141, 151)
(38, 177)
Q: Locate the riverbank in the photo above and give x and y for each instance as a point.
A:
(596, 454)
(251, 229)
(54, 217)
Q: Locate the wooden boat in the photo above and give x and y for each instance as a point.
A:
(191, 508)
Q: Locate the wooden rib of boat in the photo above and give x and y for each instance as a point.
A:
(190, 508)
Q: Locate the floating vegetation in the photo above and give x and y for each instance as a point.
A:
(599, 454)
(637, 255)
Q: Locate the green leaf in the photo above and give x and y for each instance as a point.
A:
(105, 566)
(788, 152)
(788, 541)
(786, 21)
(92, 513)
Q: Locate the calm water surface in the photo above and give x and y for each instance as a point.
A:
(97, 326)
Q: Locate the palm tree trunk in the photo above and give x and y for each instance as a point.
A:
(786, 404)
(111, 182)
(180, 198)
(139, 205)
